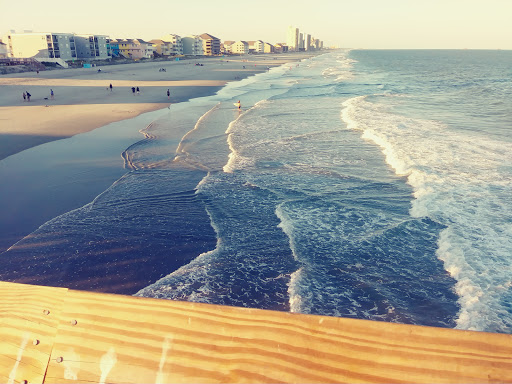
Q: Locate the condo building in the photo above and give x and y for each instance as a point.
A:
(268, 48)
(257, 46)
(162, 48)
(42, 45)
(211, 44)
(192, 45)
(3, 50)
(176, 47)
(239, 47)
(93, 47)
(292, 39)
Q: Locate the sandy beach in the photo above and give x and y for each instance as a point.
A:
(83, 100)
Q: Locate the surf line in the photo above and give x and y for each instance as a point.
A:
(180, 151)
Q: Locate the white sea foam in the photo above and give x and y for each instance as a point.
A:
(235, 159)
(295, 298)
(458, 180)
(342, 70)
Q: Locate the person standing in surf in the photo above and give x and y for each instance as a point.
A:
(239, 105)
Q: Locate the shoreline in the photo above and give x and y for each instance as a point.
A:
(83, 101)
(30, 200)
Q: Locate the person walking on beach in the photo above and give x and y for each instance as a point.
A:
(110, 87)
(133, 90)
(51, 94)
(28, 96)
(138, 90)
(168, 94)
(24, 96)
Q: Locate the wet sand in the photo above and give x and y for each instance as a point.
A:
(83, 100)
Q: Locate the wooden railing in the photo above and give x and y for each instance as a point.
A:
(56, 335)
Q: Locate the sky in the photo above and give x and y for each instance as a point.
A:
(368, 24)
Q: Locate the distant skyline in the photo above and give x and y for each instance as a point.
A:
(381, 24)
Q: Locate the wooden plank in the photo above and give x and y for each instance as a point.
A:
(29, 316)
(123, 339)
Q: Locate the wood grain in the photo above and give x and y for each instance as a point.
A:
(29, 316)
(105, 338)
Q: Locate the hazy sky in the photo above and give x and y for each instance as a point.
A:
(351, 24)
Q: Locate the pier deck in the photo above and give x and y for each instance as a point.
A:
(57, 335)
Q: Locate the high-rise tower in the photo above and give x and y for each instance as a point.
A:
(292, 39)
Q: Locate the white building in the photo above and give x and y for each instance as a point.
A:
(292, 39)
(92, 47)
(257, 46)
(3, 51)
(268, 48)
(192, 45)
(239, 48)
(177, 43)
(42, 45)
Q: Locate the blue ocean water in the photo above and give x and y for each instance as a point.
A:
(357, 183)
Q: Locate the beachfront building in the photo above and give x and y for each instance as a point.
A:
(256, 46)
(92, 47)
(126, 47)
(226, 46)
(192, 45)
(211, 44)
(3, 50)
(239, 48)
(162, 48)
(292, 38)
(307, 42)
(176, 43)
(56, 47)
(268, 48)
(280, 48)
(113, 47)
(146, 48)
(136, 49)
(301, 42)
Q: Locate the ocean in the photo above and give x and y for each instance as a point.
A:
(370, 184)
